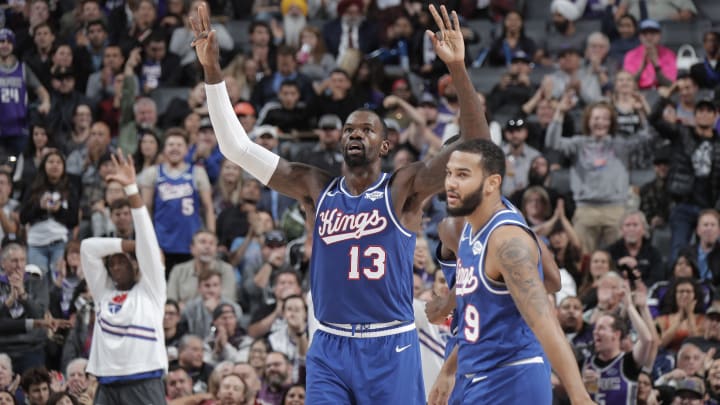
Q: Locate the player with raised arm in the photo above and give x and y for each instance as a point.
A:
(505, 319)
(366, 349)
(128, 353)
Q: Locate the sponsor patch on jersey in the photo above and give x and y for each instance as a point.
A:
(116, 303)
(375, 195)
(477, 248)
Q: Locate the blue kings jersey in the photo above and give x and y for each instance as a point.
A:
(362, 261)
(13, 101)
(491, 330)
(176, 210)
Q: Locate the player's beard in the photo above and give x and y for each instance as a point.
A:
(356, 160)
(467, 204)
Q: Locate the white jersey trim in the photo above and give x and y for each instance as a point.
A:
(371, 188)
(481, 269)
(361, 334)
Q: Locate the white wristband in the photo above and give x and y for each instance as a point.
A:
(131, 189)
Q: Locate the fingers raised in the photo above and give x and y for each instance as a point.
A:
(437, 18)
(204, 17)
(446, 18)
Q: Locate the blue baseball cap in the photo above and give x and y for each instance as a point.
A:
(649, 25)
(7, 35)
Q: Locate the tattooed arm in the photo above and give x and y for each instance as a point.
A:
(514, 258)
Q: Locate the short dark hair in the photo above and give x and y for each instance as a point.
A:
(618, 324)
(341, 71)
(493, 158)
(118, 204)
(286, 271)
(382, 121)
(259, 23)
(174, 303)
(99, 22)
(178, 132)
(290, 82)
(208, 274)
(286, 50)
(34, 376)
(55, 398)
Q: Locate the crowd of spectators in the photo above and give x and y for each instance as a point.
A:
(613, 157)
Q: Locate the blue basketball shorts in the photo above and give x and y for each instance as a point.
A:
(523, 382)
(365, 364)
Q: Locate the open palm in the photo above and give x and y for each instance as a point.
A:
(448, 42)
(124, 169)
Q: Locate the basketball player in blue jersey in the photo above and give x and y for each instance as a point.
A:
(366, 348)
(505, 319)
(437, 310)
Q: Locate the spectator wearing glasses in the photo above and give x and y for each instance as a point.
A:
(518, 156)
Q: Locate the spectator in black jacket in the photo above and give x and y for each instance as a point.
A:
(50, 210)
(22, 297)
(694, 179)
(706, 252)
(634, 252)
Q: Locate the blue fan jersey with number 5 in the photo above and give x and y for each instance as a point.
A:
(176, 210)
(362, 261)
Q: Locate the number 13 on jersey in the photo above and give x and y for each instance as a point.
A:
(378, 256)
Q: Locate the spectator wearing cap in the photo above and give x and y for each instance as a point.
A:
(518, 156)
(706, 250)
(326, 153)
(425, 132)
(654, 200)
(350, 30)
(183, 280)
(267, 89)
(16, 81)
(694, 179)
(270, 200)
(288, 113)
(707, 71)
(661, 10)
(651, 63)
(690, 391)
(64, 98)
(246, 115)
(205, 152)
(711, 336)
(227, 339)
(512, 40)
(334, 96)
(572, 76)
(91, 164)
(514, 88)
(257, 280)
(563, 34)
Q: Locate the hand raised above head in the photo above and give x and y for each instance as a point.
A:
(448, 41)
(205, 43)
(124, 169)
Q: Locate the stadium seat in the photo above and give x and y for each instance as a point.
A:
(537, 10)
(709, 9)
(536, 30)
(640, 177)
(485, 29)
(485, 78)
(560, 181)
(163, 95)
(587, 27)
(239, 32)
(677, 33)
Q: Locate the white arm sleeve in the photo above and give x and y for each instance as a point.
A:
(92, 251)
(147, 252)
(232, 139)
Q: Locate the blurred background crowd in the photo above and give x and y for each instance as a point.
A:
(607, 111)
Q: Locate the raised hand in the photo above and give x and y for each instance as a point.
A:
(205, 43)
(124, 169)
(448, 42)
